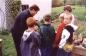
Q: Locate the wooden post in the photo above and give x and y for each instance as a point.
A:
(0, 47)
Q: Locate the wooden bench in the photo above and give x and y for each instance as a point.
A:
(0, 47)
(79, 51)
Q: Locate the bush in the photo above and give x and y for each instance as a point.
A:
(14, 8)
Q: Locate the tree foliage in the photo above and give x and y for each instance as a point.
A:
(15, 7)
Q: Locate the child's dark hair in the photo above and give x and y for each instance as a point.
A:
(35, 7)
(68, 8)
(47, 18)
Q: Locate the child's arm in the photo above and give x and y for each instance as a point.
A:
(61, 15)
(64, 37)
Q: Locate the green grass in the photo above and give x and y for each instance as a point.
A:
(56, 11)
(80, 12)
(8, 45)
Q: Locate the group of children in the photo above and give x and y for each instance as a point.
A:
(42, 42)
(64, 35)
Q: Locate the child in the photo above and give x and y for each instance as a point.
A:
(78, 39)
(66, 43)
(30, 41)
(84, 42)
(66, 18)
(48, 33)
